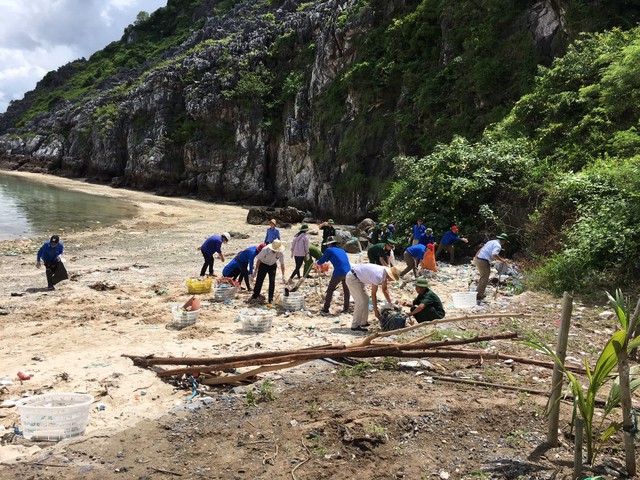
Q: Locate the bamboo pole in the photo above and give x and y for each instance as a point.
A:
(577, 454)
(625, 396)
(558, 375)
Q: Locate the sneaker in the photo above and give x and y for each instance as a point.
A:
(360, 328)
(51, 287)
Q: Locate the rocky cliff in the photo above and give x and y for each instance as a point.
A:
(300, 104)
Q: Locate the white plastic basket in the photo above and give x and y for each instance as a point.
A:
(256, 321)
(224, 292)
(464, 299)
(54, 416)
(183, 318)
(293, 301)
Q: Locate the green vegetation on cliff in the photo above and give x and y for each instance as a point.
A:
(567, 156)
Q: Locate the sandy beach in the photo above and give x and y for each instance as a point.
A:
(123, 281)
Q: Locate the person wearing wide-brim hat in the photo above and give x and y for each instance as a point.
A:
(380, 253)
(328, 230)
(487, 254)
(427, 305)
(299, 250)
(341, 266)
(266, 264)
(272, 232)
(357, 279)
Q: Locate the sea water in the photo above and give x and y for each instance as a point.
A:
(30, 209)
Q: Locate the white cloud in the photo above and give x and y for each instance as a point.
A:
(38, 36)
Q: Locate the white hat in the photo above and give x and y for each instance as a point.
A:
(226, 235)
(393, 272)
(276, 246)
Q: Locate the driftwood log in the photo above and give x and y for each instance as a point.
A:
(369, 347)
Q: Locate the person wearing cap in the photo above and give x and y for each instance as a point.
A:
(328, 230)
(341, 266)
(447, 241)
(427, 305)
(51, 254)
(416, 232)
(272, 232)
(427, 237)
(412, 257)
(379, 253)
(368, 274)
(299, 249)
(212, 245)
(487, 254)
(266, 264)
(241, 266)
(379, 233)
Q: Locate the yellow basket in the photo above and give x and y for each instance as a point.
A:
(199, 285)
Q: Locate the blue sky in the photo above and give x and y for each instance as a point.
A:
(37, 36)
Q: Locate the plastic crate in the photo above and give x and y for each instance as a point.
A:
(464, 299)
(199, 285)
(224, 292)
(54, 416)
(293, 301)
(183, 318)
(256, 321)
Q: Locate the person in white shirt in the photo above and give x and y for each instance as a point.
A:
(266, 264)
(368, 274)
(487, 254)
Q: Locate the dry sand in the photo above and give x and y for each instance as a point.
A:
(73, 339)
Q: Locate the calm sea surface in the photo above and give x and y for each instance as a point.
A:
(30, 209)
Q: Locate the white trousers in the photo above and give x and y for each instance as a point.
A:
(360, 296)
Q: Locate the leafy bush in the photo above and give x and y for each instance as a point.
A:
(456, 183)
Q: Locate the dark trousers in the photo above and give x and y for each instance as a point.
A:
(55, 273)
(299, 262)
(333, 284)
(241, 273)
(208, 262)
(449, 248)
(263, 271)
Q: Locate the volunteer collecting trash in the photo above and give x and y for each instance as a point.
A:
(51, 254)
(212, 245)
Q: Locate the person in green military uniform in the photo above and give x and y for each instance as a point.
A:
(427, 305)
(314, 255)
(379, 253)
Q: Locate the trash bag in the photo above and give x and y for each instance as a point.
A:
(429, 259)
(392, 318)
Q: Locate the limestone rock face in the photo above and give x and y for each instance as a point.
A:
(283, 216)
(194, 123)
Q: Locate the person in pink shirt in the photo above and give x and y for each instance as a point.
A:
(299, 250)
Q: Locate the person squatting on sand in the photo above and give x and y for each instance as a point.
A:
(427, 305)
(357, 279)
(241, 266)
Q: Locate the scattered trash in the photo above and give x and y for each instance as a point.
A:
(102, 286)
(97, 365)
(101, 406)
(164, 291)
(17, 294)
(24, 376)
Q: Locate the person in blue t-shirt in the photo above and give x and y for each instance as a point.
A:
(427, 237)
(51, 254)
(416, 232)
(341, 266)
(447, 241)
(212, 245)
(412, 257)
(272, 232)
(241, 266)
